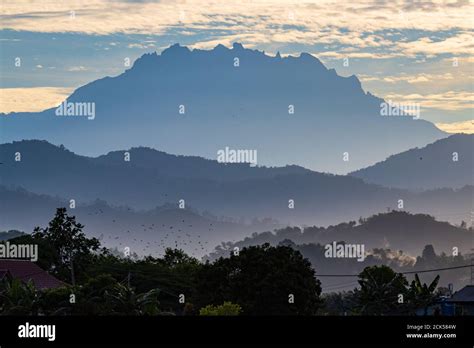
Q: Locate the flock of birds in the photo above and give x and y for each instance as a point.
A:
(178, 236)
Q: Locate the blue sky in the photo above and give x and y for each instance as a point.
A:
(401, 51)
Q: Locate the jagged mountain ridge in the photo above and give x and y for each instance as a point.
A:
(244, 107)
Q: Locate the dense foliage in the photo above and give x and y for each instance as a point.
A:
(256, 280)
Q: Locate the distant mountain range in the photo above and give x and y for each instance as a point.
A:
(6, 235)
(291, 110)
(152, 178)
(396, 230)
(395, 238)
(447, 162)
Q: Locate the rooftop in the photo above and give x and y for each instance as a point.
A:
(466, 294)
(26, 270)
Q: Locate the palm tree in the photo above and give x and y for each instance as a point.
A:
(380, 287)
(124, 300)
(423, 294)
(19, 298)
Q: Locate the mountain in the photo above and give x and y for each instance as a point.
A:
(394, 238)
(291, 110)
(6, 235)
(152, 178)
(447, 162)
(397, 230)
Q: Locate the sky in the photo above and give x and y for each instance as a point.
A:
(402, 51)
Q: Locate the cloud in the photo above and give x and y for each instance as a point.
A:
(410, 78)
(77, 68)
(457, 127)
(365, 24)
(459, 44)
(450, 100)
(434, 83)
(142, 46)
(359, 55)
(31, 99)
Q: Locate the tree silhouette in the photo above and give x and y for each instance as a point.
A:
(72, 249)
(380, 290)
(19, 298)
(262, 280)
(423, 295)
(125, 301)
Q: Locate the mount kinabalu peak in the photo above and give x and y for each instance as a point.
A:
(289, 110)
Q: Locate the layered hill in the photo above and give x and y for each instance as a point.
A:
(448, 162)
(152, 178)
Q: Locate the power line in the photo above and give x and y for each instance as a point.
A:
(338, 286)
(435, 270)
(407, 272)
